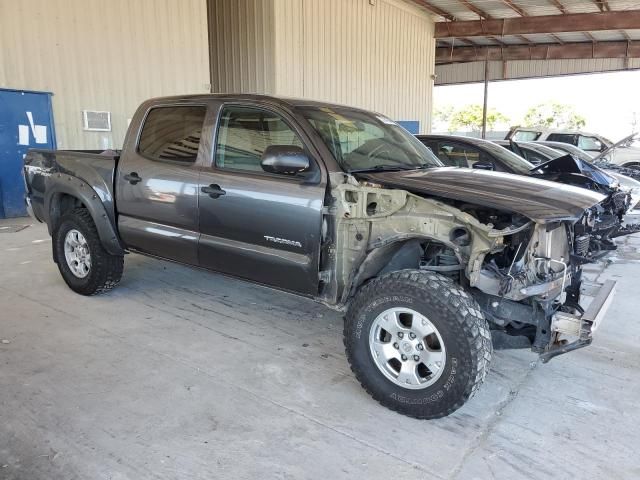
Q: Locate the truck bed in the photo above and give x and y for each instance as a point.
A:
(96, 168)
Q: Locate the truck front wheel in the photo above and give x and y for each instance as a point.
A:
(85, 265)
(417, 343)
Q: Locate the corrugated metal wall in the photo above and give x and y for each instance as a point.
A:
(97, 55)
(242, 46)
(378, 56)
(474, 71)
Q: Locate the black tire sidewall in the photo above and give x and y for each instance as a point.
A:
(81, 220)
(455, 384)
(75, 283)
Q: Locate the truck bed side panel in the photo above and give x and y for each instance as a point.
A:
(86, 176)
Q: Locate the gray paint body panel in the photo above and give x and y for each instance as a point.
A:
(539, 200)
(85, 176)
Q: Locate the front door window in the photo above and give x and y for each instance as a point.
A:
(245, 133)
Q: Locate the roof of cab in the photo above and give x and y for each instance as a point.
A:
(270, 99)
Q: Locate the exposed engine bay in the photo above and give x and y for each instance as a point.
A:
(521, 272)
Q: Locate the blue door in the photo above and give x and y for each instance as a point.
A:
(26, 121)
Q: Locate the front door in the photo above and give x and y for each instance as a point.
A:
(256, 225)
(157, 184)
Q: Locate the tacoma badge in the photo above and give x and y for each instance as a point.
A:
(284, 241)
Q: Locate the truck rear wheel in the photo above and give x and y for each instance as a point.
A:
(85, 265)
(417, 343)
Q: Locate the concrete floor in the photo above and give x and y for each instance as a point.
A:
(183, 374)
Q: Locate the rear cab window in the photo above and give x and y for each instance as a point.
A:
(172, 133)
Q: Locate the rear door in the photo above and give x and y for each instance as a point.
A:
(260, 226)
(157, 183)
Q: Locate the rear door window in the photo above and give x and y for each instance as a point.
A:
(526, 136)
(454, 154)
(589, 143)
(534, 158)
(569, 138)
(172, 133)
(430, 144)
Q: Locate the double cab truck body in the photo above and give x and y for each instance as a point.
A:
(343, 206)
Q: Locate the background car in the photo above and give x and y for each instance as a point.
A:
(540, 152)
(627, 155)
(458, 151)
(555, 166)
(534, 152)
(568, 148)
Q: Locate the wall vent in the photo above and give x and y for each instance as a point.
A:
(96, 121)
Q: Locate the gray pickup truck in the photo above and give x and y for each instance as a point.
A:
(342, 206)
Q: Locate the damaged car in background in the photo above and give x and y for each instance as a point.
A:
(627, 147)
(345, 207)
(623, 154)
(520, 158)
(564, 164)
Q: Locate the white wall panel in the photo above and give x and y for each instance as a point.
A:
(378, 56)
(98, 55)
(242, 46)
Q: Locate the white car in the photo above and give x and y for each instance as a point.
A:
(626, 153)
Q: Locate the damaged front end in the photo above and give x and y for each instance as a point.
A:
(608, 216)
(533, 288)
(525, 274)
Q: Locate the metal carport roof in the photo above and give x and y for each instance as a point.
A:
(535, 31)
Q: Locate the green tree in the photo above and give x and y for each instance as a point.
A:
(470, 118)
(443, 113)
(440, 118)
(554, 115)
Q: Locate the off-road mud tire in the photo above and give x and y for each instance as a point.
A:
(106, 269)
(451, 310)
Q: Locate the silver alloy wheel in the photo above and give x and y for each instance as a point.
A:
(77, 254)
(407, 348)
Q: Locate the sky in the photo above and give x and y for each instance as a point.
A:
(608, 101)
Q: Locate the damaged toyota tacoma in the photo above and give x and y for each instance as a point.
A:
(347, 208)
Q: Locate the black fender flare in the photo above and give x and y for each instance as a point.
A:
(69, 185)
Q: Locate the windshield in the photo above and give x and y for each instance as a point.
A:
(515, 163)
(362, 141)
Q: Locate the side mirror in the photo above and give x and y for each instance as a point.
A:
(284, 159)
(483, 165)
